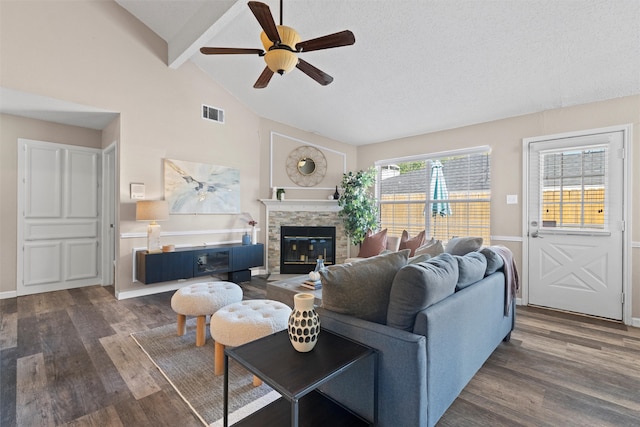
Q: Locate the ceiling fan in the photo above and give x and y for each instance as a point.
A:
(281, 46)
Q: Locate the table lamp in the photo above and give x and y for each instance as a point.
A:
(152, 210)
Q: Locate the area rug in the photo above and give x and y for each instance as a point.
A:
(189, 369)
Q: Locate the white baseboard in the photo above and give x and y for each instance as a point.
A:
(635, 322)
(8, 294)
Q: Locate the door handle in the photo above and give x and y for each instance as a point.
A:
(536, 235)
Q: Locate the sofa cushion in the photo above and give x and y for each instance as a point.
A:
(362, 289)
(433, 247)
(412, 243)
(417, 286)
(463, 245)
(471, 268)
(494, 261)
(373, 244)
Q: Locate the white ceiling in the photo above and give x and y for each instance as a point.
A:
(417, 66)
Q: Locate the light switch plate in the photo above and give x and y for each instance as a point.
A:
(512, 199)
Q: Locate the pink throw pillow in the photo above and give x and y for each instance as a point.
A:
(373, 244)
(413, 243)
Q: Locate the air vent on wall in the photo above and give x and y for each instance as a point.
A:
(213, 114)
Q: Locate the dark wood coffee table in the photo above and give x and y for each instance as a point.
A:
(296, 376)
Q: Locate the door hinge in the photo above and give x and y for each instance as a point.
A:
(623, 225)
(622, 298)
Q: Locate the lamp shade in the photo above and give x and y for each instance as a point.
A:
(281, 59)
(152, 210)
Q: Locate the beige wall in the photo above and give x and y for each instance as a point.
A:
(505, 139)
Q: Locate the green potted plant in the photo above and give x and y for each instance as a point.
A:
(359, 211)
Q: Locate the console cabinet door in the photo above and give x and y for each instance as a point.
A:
(161, 267)
(248, 256)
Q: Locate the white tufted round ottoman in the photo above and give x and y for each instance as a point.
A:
(245, 321)
(200, 300)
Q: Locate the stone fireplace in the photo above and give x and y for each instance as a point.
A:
(301, 213)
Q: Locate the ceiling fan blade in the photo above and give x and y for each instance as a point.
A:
(229, 51)
(264, 79)
(343, 38)
(316, 74)
(263, 14)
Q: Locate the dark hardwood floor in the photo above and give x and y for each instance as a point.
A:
(67, 358)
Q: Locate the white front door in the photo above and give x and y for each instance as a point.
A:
(575, 224)
(58, 217)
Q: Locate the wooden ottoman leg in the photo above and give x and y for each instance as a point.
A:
(201, 333)
(257, 382)
(182, 320)
(218, 359)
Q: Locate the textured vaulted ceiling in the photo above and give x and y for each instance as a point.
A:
(417, 66)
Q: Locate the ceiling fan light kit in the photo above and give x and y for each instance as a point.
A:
(280, 57)
(282, 44)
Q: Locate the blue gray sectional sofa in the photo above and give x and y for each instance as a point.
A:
(434, 323)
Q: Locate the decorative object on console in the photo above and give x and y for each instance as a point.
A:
(336, 195)
(200, 188)
(306, 166)
(304, 323)
(359, 209)
(152, 210)
(246, 240)
(280, 193)
(246, 217)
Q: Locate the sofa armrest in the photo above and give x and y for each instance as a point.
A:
(463, 330)
(402, 392)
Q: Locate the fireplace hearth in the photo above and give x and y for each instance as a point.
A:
(301, 246)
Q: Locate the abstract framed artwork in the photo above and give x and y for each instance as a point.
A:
(200, 188)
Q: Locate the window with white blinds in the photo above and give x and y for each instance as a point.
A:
(573, 188)
(447, 194)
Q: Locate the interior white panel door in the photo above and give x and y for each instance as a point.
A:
(59, 217)
(575, 224)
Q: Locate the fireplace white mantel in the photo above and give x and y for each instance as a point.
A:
(302, 212)
(310, 205)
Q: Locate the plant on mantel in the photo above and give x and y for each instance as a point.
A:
(359, 211)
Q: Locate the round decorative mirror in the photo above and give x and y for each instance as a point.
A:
(306, 166)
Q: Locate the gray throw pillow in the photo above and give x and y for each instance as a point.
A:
(419, 258)
(417, 286)
(463, 245)
(471, 268)
(494, 261)
(432, 247)
(362, 289)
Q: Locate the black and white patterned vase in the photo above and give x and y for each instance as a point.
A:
(304, 323)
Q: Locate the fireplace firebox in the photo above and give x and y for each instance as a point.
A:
(300, 247)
